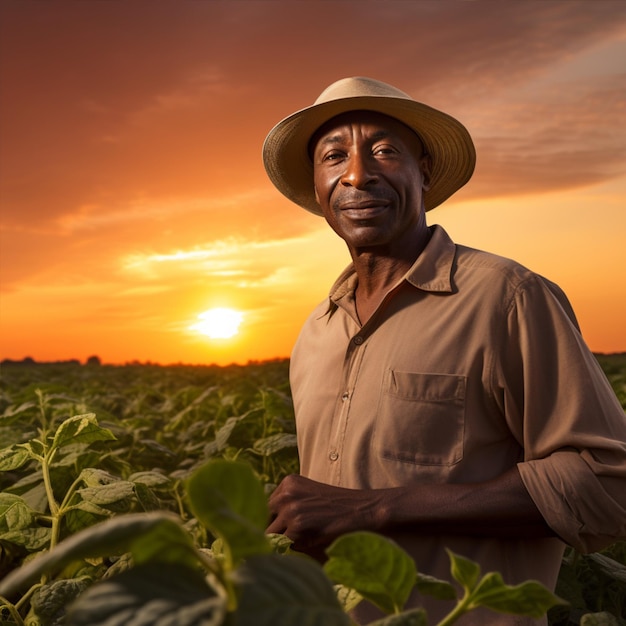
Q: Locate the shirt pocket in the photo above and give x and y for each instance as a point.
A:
(421, 418)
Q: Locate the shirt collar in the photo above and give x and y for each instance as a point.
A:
(432, 270)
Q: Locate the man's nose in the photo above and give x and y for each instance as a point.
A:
(359, 172)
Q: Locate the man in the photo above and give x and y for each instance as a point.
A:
(444, 396)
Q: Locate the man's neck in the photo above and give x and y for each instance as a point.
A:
(378, 270)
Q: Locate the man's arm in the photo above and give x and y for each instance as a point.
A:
(312, 514)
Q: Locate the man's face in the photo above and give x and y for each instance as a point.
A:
(370, 173)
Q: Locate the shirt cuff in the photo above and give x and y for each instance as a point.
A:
(569, 492)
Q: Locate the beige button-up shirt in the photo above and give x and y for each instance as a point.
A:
(471, 365)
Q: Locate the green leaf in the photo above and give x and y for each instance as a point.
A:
(77, 519)
(146, 498)
(269, 445)
(373, 565)
(529, 598)
(88, 507)
(348, 598)
(112, 537)
(285, 589)
(599, 619)
(155, 446)
(13, 412)
(431, 586)
(15, 514)
(33, 539)
(146, 595)
(36, 497)
(164, 543)
(74, 454)
(34, 447)
(608, 566)
(108, 494)
(34, 477)
(463, 570)
(13, 458)
(229, 500)
(150, 479)
(569, 588)
(94, 477)
(50, 601)
(81, 429)
(223, 435)
(281, 544)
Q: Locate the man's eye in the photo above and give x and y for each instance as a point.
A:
(332, 156)
(383, 150)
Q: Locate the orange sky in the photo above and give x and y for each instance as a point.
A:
(133, 196)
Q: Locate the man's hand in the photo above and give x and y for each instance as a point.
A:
(312, 514)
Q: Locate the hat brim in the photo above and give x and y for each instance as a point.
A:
(445, 139)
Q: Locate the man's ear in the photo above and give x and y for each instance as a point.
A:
(426, 168)
(317, 198)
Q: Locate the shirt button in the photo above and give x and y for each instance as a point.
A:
(345, 396)
(358, 340)
(333, 456)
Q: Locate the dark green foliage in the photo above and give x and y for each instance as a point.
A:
(170, 594)
(83, 445)
(594, 583)
(171, 581)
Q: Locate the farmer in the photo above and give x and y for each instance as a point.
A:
(444, 396)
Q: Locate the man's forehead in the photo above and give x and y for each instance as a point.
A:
(384, 125)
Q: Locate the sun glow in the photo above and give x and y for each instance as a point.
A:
(219, 323)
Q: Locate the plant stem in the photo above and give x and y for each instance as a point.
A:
(17, 618)
(179, 500)
(45, 468)
(55, 531)
(55, 513)
(461, 608)
(26, 597)
(265, 409)
(70, 492)
(42, 410)
(219, 580)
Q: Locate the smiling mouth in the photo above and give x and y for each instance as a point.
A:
(362, 201)
(364, 210)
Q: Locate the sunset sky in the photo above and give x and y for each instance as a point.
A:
(134, 199)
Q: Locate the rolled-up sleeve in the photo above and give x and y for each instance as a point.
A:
(581, 499)
(573, 427)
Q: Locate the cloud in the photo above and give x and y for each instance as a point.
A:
(239, 263)
(91, 217)
(549, 145)
(105, 103)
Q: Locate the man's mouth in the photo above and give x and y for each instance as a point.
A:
(363, 209)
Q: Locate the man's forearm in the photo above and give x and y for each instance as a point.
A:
(312, 514)
(498, 508)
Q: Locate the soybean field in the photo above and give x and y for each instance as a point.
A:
(107, 470)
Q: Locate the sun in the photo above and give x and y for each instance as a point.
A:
(219, 323)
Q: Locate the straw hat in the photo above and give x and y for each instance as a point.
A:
(289, 167)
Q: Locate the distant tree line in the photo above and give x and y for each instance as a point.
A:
(92, 360)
